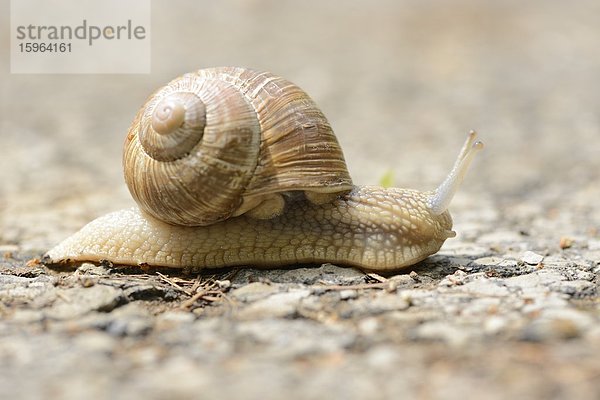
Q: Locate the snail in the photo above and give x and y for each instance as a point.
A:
(234, 167)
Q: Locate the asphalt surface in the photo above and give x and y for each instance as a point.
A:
(508, 308)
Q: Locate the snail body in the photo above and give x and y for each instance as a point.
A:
(287, 197)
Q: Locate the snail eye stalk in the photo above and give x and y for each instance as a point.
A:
(442, 196)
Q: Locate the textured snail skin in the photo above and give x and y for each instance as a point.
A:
(371, 228)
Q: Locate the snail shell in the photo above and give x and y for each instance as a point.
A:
(222, 142)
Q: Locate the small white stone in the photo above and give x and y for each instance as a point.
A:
(458, 278)
(368, 326)
(593, 244)
(531, 258)
(279, 305)
(495, 262)
(486, 287)
(442, 330)
(175, 318)
(254, 291)
(95, 342)
(225, 284)
(494, 325)
(348, 294)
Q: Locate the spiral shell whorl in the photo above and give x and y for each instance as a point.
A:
(200, 179)
(173, 125)
(168, 115)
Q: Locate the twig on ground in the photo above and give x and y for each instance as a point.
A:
(377, 277)
(173, 284)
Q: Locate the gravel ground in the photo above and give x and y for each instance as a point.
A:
(507, 309)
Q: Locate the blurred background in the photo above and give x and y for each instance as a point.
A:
(401, 81)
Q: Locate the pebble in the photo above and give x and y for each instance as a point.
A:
(175, 318)
(348, 294)
(414, 276)
(294, 337)
(76, 302)
(442, 331)
(531, 258)
(131, 326)
(550, 329)
(580, 318)
(382, 303)
(39, 290)
(95, 341)
(594, 244)
(92, 269)
(576, 289)
(279, 305)
(254, 291)
(27, 316)
(565, 242)
(383, 357)
(495, 262)
(485, 287)
(150, 292)
(481, 306)
(593, 334)
(458, 278)
(494, 325)
(130, 320)
(540, 279)
(368, 326)
(224, 284)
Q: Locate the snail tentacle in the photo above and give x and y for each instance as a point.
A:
(442, 196)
